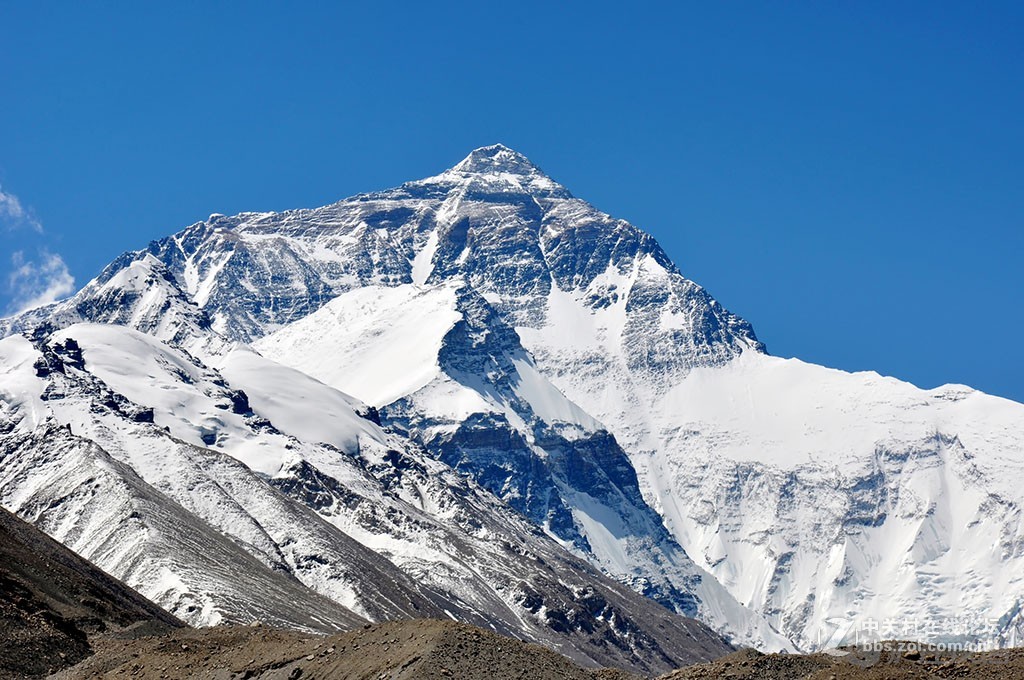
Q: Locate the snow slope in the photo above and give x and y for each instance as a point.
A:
(897, 503)
(340, 345)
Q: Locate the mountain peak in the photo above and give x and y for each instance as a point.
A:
(496, 158)
(498, 169)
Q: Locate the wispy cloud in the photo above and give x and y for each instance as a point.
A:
(14, 215)
(34, 283)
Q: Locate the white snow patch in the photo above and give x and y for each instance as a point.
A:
(20, 388)
(547, 401)
(182, 394)
(296, 403)
(423, 263)
(391, 339)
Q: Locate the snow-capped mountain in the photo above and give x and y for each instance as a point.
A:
(557, 358)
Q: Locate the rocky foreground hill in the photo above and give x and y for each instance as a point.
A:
(442, 650)
(53, 603)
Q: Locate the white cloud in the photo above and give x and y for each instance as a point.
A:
(13, 214)
(37, 283)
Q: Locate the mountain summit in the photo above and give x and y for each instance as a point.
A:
(494, 170)
(539, 375)
(496, 158)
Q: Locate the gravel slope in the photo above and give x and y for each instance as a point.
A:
(421, 649)
(905, 661)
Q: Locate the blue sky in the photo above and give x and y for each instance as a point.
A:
(847, 176)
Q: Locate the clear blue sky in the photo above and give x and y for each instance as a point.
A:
(847, 176)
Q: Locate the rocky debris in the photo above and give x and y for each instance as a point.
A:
(426, 649)
(421, 649)
(898, 661)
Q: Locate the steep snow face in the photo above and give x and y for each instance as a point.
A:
(164, 472)
(341, 343)
(795, 484)
(297, 404)
(383, 344)
(21, 391)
